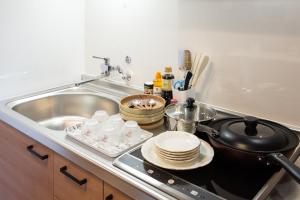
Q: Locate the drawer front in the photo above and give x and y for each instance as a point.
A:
(111, 193)
(26, 167)
(73, 183)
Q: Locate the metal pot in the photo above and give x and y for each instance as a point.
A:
(187, 115)
(253, 141)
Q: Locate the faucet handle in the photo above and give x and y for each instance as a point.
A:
(105, 68)
(106, 60)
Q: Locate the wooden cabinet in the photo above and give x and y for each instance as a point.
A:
(30, 171)
(111, 193)
(26, 167)
(73, 183)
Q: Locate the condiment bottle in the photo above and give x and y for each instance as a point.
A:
(168, 78)
(157, 84)
(148, 88)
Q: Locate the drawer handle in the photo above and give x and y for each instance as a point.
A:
(42, 157)
(109, 197)
(64, 169)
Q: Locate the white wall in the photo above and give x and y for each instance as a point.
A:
(145, 30)
(255, 50)
(41, 44)
(254, 47)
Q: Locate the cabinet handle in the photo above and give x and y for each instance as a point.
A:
(42, 157)
(64, 169)
(109, 197)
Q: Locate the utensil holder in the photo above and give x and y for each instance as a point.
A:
(181, 96)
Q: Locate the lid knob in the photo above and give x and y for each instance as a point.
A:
(190, 103)
(251, 124)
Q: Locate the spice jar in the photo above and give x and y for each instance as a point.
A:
(148, 88)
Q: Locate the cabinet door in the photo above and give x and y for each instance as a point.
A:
(111, 193)
(73, 183)
(26, 167)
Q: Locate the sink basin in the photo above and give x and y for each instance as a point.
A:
(58, 111)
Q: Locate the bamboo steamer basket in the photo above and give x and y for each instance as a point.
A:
(143, 120)
(152, 125)
(141, 115)
(157, 108)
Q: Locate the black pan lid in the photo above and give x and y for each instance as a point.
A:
(253, 134)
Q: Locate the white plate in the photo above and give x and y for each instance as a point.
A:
(177, 141)
(177, 153)
(177, 156)
(149, 153)
(179, 159)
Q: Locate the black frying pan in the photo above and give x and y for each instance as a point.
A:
(253, 141)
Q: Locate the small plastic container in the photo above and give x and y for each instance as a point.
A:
(132, 132)
(116, 121)
(90, 128)
(110, 133)
(100, 116)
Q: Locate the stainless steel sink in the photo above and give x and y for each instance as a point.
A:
(59, 110)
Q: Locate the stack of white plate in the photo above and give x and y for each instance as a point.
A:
(177, 146)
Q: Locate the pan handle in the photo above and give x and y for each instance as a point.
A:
(290, 167)
(206, 129)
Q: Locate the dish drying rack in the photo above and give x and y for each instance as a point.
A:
(110, 149)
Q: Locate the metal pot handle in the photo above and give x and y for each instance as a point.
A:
(290, 167)
(169, 123)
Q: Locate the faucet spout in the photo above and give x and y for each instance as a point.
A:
(106, 71)
(90, 80)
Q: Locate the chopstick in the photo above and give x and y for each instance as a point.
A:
(200, 68)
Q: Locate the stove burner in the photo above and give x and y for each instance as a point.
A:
(221, 179)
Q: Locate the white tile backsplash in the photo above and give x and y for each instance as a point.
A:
(254, 47)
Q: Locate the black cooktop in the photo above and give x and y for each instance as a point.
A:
(221, 179)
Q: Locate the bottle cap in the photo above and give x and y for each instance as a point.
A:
(157, 75)
(168, 69)
(148, 84)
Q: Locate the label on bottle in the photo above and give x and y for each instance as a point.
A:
(157, 91)
(167, 84)
(148, 91)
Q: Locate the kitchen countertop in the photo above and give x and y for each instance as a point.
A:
(101, 165)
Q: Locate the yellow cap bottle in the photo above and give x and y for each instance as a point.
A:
(157, 84)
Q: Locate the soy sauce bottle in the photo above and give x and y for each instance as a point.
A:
(167, 79)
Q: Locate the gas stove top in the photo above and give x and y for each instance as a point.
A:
(220, 179)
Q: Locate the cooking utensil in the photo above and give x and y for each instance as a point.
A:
(196, 60)
(200, 66)
(185, 116)
(253, 141)
(188, 77)
(185, 60)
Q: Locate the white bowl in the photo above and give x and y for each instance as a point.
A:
(177, 141)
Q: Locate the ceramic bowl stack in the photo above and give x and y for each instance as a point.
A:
(177, 146)
(146, 110)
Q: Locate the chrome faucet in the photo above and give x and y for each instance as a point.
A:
(106, 69)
